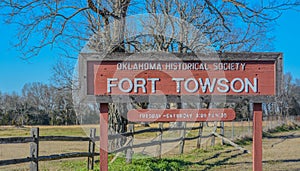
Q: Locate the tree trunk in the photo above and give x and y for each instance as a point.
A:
(118, 112)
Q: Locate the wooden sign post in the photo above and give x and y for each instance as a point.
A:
(103, 136)
(257, 137)
(176, 78)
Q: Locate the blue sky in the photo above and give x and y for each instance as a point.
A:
(287, 41)
(15, 72)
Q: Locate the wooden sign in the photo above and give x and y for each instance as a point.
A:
(181, 78)
(183, 115)
(255, 76)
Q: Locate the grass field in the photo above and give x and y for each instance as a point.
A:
(281, 152)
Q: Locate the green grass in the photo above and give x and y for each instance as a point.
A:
(195, 160)
(285, 128)
(62, 131)
(138, 164)
(74, 165)
(244, 141)
(149, 164)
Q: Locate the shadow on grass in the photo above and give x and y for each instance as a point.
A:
(224, 161)
(219, 162)
(183, 165)
(291, 136)
(269, 161)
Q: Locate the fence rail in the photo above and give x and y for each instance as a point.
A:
(46, 158)
(15, 140)
(15, 161)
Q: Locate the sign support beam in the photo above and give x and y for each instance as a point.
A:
(257, 137)
(103, 136)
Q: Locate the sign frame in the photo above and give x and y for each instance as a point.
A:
(84, 58)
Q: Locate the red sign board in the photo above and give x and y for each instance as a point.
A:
(182, 78)
(184, 115)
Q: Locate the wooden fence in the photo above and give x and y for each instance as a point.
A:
(34, 157)
(128, 147)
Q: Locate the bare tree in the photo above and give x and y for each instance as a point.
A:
(39, 103)
(289, 103)
(62, 74)
(62, 24)
(12, 109)
(39, 95)
(297, 90)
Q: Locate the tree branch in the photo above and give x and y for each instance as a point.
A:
(103, 12)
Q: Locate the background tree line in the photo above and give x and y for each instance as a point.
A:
(38, 104)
